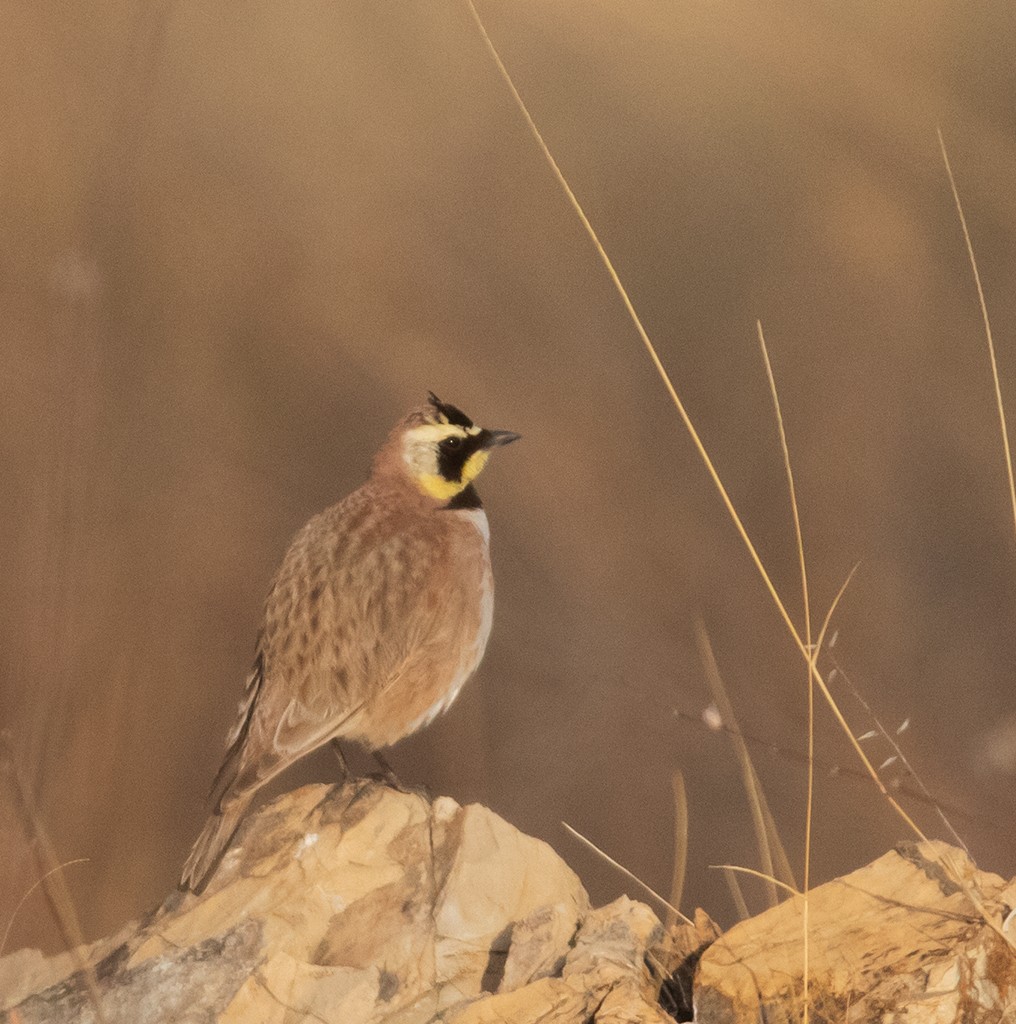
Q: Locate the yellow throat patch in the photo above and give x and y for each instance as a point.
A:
(444, 490)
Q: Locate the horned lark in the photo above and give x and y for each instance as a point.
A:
(376, 618)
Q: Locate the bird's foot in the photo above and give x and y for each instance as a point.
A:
(388, 776)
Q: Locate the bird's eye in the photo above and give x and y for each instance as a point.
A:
(451, 444)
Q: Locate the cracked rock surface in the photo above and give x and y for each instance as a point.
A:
(905, 939)
(361, 904)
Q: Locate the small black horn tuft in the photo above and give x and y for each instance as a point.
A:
(449, 412)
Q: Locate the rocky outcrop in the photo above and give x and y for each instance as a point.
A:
(365, 905)
(906, 939)
(362, 904)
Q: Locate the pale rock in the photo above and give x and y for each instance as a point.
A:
(905, 939)
(538, 945)
(365, 905)
(361, 904)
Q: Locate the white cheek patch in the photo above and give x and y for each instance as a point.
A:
(419, 447)
(419, 457)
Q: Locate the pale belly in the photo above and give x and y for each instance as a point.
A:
(436, 675)
(467, 667)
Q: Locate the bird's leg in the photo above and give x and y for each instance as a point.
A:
(388, 772)
(343, 766)
(395, 782)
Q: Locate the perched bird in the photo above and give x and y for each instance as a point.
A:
(378, 615)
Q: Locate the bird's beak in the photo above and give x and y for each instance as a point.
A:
(496, 438)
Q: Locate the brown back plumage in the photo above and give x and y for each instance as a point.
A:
(378, 614)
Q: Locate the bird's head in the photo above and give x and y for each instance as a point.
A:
(442, 450)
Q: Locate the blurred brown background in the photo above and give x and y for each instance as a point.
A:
(240, 240)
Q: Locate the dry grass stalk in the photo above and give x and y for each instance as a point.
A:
(680, 846)
(987, 326)
(809, 682)
(624, 871)
(707, 461)
(52, 878)
(770, 847)
(807, 651)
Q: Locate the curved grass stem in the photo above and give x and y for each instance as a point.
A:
(700, 447)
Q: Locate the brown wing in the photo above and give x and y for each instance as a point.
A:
(352, 601)
(237, 738)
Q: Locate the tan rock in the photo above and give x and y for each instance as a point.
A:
(364, 904)
(903, 939)
(603, 977)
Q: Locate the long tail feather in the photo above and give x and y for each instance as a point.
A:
(212, 844)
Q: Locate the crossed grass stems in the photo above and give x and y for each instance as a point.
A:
(808, 646)
(777, 873)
